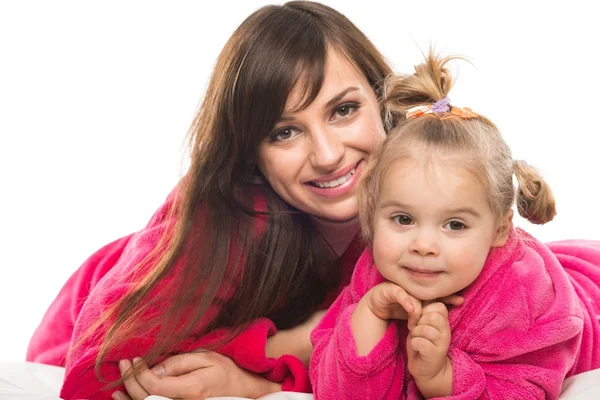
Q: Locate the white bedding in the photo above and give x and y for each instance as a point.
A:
(29, 381)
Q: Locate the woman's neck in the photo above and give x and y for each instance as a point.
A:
(338, 234)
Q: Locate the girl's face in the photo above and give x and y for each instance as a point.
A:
(432, 228)
(314, 158)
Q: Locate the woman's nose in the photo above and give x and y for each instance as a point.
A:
(327, 150)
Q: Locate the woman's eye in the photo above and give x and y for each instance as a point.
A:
(455, 226)
(345, 110)
(283, 134)
(403, 220)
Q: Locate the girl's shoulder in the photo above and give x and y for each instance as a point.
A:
(365, 274)
(544, 284)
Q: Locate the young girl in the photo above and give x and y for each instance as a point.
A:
(435, 207)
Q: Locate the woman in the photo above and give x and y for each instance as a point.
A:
(258, 236)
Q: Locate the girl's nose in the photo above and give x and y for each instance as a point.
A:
(424, 243)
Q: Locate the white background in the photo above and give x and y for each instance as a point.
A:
(96, 99)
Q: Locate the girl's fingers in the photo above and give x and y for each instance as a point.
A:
(407, 302)
(426, 332)
(134, 389)
(421, 345)
(436, 307)
(404, 299)
(453, 299)
(413, 320)
(411, 305)
(436, 320)
(413, 317)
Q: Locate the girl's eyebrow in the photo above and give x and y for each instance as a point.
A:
(393, 203)
(460, 210)
(330, 103)
(464, 210)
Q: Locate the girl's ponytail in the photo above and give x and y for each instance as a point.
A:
(430, 82)
(535, 200)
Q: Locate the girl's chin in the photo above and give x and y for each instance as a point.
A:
(422, 295)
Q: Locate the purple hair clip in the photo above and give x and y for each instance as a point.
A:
(441, 106)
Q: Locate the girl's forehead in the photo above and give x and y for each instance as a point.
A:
(432, 168)
(434, 185)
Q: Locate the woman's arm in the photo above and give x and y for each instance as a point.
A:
(209, 374)
(294, 341)
(247, 351)
(51, 340)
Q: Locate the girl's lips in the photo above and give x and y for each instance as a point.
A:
(422, 274)
(340, 190)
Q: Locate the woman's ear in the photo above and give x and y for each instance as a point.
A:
(503, 230)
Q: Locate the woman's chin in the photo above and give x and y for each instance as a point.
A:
(337, 218)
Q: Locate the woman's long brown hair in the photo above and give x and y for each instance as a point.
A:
(282, 273)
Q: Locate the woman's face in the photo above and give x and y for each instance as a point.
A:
(314, 157)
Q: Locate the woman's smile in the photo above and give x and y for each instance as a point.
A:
(337, 184)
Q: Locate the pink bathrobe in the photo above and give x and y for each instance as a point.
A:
(529, 320)
(105, 278)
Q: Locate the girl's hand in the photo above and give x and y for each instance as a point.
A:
(195, 375)
(389, 301)
(427, 350)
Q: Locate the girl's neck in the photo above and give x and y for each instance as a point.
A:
(338, 234)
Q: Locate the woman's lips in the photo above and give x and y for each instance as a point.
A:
(351, 180)
(335, 175)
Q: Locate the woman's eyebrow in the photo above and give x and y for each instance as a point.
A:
(340, 96)
(330, 103)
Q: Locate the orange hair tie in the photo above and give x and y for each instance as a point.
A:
(465, 113)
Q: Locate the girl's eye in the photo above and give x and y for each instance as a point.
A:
(455, 226)
(283, 134)
(403, 219)
(344, 110)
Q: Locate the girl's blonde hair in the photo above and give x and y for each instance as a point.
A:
(474, 143)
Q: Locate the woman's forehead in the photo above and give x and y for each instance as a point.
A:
(340, 76)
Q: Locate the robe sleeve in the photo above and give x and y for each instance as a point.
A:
(336, 370)
(247, 349)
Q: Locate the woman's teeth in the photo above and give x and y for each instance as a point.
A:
(336, 182)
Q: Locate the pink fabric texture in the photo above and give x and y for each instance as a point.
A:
(528, 321)
(103, 279)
